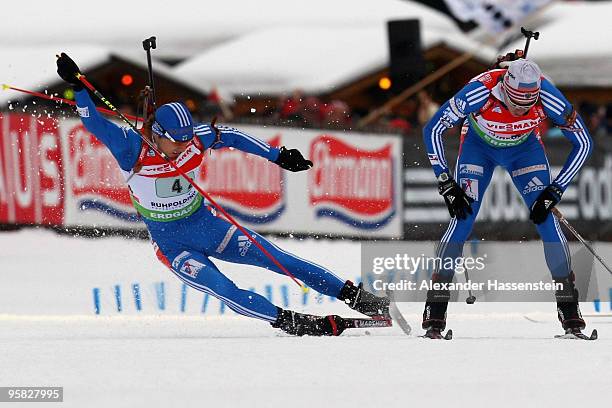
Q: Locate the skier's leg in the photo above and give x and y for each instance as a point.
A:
(473, 173)
(198, 272)
(233, 246)
(531, 174)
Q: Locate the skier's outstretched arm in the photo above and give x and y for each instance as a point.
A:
(224, 136)
(123, 143)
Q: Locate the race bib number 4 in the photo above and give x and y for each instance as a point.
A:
(173, 186)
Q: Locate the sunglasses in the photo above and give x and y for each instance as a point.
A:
(159, 130)
(518, 106)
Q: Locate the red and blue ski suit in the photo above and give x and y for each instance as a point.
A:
(185, 232)
(492, 137)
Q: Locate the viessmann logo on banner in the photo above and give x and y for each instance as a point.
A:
(248, 187)
(352, 185)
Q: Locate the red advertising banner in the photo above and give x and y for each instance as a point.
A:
(59, 174)
(31, 170)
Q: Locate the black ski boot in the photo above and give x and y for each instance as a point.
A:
(434, 315)
(300, 324)
(568, 310)
(359, 299)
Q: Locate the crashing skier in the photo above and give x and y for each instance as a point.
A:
(186, 232)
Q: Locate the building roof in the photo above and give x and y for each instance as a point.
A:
(316, 59)
(34, 68)
(275, 46)
(320, 59)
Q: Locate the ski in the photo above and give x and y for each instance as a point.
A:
(362, 323)
(578, 336)
(447, 336)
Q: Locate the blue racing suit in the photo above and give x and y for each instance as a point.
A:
(492, 137)
(186, 244)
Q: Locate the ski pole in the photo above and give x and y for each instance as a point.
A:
(62, 100)
(147, 45)
(471, 298)
(231, 219)
(529, 35)
(588, 246)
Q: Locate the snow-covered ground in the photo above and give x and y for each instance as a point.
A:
(50, 336)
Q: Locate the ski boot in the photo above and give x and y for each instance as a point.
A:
(300, 324)
(434, 315)
(568, 310)
(359, 299)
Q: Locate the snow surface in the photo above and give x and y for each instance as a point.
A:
(50, 336)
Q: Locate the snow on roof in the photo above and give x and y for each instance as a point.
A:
(34, 68)
(322, 58)
(316, 60)
(182, 27)
(274, 45)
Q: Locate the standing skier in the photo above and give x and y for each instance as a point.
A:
(502, 109)
(186, 232)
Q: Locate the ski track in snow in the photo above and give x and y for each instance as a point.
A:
(497, 358)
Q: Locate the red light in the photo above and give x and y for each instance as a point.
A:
(127, 80)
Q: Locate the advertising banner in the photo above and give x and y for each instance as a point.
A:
(587, 202)
(57, 173)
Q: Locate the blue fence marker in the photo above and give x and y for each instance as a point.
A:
(161, 295)
(118, 298)
(221, 307)
(96, 300)
(205, 302)
(269, 292)
(305, 296)
(183, 297)
(597, 305)
(285, 295)
(136, 293)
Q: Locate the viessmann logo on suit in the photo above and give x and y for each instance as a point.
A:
(351, 184)
(248, 187)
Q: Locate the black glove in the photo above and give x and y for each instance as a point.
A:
(456, 200)
(504, 60)
(292, 159)
(544, 203)
(67, 70)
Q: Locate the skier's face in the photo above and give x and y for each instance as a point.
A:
(170, 148)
